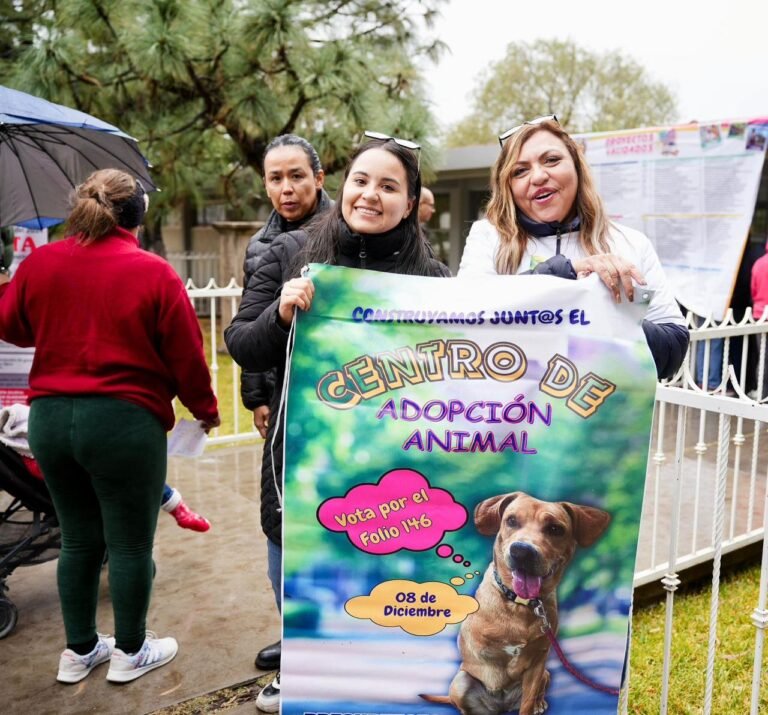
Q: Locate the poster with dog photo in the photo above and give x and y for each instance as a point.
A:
(464, 473)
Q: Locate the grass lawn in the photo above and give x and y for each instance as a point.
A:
(732, 693)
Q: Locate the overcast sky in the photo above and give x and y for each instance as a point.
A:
(713, 56)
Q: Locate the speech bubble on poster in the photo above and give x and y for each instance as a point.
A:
(400, 511)
(421, 609)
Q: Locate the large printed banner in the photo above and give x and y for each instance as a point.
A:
(692, 190)
(464, 477)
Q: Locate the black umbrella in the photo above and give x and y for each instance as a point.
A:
(46, 149)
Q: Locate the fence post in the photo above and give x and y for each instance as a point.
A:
(671, 580)
(723, 443)
(760, 620)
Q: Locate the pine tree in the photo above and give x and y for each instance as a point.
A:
(205, 84)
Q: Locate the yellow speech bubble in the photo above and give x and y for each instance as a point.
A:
(421, 609)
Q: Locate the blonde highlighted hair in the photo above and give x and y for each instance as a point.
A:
(93, 214)
(502, 213)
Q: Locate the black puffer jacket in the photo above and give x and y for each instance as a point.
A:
(257, 341)
(256, 388)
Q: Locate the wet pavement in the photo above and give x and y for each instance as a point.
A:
(211, 593)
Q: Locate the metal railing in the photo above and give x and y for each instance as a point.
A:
(732, 397)
(706, 481)
(215, 298)
(196, 268)
(705, 493)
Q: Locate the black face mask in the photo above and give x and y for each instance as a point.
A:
(130, 212)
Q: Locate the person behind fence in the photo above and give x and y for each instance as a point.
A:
(373, 225)
(116, 339)
(759, 290)
(426, 210)
(546, 217)
(714, 358)
(293, 177)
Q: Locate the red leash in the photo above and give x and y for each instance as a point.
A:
(546, 628)
(538, 609)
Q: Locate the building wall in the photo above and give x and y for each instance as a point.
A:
(459, 200)
(204, 239)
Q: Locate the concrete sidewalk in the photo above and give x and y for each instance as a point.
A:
(211, 593)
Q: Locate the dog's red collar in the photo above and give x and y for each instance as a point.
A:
(510, 595)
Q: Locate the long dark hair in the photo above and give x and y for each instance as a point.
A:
(324, 230)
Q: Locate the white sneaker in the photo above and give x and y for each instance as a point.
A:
(73, 667)
(268, 700)
(153, 653)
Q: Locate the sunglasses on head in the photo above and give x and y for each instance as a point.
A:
(507, 134)
(405, 143)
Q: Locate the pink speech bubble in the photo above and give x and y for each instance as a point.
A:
(402, 511)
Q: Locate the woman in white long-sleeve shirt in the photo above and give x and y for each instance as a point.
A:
(546, 217)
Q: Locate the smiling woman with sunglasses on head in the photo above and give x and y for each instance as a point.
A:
(374, 225)
(546, 217)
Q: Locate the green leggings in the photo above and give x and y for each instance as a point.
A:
(104, 462)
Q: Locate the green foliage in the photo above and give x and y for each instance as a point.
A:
(204, 85)
(588, 91)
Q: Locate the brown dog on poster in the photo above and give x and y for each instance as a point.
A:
(502, 646)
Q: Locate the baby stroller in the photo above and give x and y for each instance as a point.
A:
(29, 530)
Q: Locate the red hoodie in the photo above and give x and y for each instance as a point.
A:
(759, 285)
(108, 318)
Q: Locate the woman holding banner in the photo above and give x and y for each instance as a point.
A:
(374, 225)
(546, 217)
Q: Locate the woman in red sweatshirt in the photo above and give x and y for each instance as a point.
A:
(115, 339)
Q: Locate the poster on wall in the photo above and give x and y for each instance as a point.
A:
(16, 362)
(25, 241)
(464, 478)
(692, 190)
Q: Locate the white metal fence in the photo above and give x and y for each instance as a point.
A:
(706, 480)
(196, 268)
(216, 302)
(705, 492)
